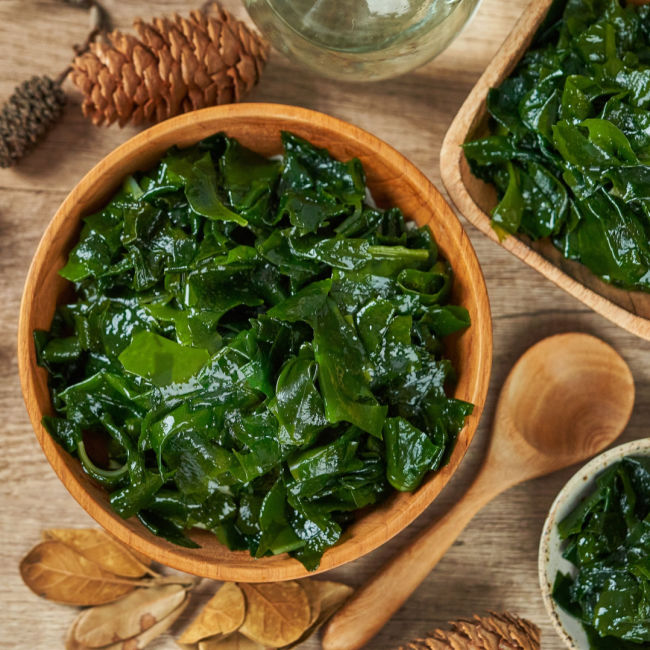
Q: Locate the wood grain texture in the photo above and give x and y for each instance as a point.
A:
(476, 199)
(392, 180)
(493, 564)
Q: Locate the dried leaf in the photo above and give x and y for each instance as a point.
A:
(146, 637)
(277, 612)
(235, 641)
(313, 596)
(128, 617)
(96, 546)
(329, 596)
(57, 572)
(223, 614)
(71, 642)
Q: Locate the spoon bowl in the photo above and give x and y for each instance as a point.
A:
(567, 398)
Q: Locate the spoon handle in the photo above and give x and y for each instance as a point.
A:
(373, 604)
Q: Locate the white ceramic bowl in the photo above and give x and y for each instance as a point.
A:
(550, 546)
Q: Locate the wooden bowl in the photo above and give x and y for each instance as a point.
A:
(476, 199)
(393, 181)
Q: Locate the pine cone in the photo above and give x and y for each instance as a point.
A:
(494, 632)
(173, 66)
(28, 114)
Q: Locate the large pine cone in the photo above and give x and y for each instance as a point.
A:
(174, 65)
(494, 632)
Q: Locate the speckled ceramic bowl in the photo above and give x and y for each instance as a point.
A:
(550, 546)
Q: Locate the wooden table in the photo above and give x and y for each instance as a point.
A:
(493, 566)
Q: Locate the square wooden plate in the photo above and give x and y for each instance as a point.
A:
(475, 199)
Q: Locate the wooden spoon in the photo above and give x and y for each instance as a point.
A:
(567, 398)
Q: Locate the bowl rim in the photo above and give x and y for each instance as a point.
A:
(580, 483)
(206, 122)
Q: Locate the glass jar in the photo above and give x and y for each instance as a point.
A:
(361, 40)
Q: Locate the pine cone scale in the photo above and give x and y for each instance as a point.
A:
(130, 80)
(123, 106)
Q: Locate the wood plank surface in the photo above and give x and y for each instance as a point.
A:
(493, 566)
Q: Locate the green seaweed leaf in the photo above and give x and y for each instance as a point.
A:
(240, 331)
(568, 140)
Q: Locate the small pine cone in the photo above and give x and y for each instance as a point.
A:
(27, 115)
(174, 65)
(494, 632)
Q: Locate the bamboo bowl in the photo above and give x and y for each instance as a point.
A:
(476, 199)
(392, 180)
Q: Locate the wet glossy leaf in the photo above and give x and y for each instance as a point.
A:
(510, 210)
(241, 328)
(347, 395)
(162, 361)
(409, 454)
(298, 405)
(200, 182)
(607, 538)
(571, 125)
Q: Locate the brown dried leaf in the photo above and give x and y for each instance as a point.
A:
(223, 614)
(71, 642)
(325, 597)
(235, 641)
(313, 596)
(57, 572)
(277, 612)
(96, 546)
(142, 640)
(331, 595)
(128, 617)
